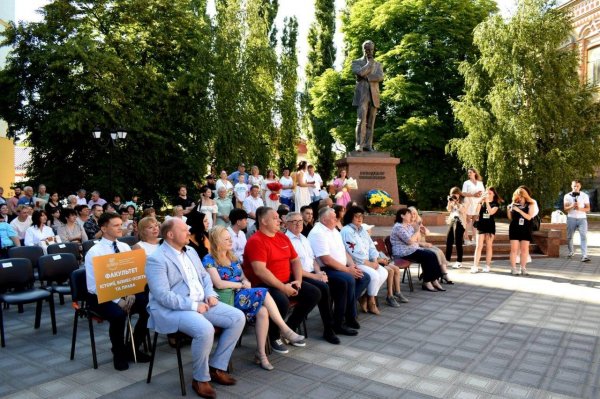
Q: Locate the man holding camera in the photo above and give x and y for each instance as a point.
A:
(577, 205)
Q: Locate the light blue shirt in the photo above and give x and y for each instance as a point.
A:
(6, 234)
(359, 244)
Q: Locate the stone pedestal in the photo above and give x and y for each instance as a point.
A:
(372, 170)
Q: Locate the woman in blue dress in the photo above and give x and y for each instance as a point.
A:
(258, 305)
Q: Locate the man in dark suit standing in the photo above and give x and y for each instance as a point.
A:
(366, 95)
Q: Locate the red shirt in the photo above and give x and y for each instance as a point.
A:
(277, 252)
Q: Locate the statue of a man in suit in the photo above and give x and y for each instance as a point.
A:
(366, 95)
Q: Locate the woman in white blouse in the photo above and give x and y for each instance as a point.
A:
(208, 206)
(223, 182)
(148, 231)
(39, 234)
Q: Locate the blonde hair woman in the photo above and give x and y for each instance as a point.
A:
(148, 231)
(227, 276)
(520, 213)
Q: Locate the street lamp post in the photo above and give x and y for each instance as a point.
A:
(114, 136)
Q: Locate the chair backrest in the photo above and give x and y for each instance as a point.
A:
(79, 290)
(64, 248)
(15, 273)
(57, 267)
(129, 240)
(87, 245)
(33, 253)
(388, 246)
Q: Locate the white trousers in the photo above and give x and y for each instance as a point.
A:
(378, 277)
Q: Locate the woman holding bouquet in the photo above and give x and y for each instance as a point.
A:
(272, 189)
(342, 196)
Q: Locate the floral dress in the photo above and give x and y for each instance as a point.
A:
(248, 300)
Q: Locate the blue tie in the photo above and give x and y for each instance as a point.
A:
(115, 247)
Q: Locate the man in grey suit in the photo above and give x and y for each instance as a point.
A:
(182, 298)
(366, 95)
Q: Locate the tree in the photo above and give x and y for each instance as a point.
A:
(528, 118)
(321, 57)
(288, 104)
(124, 63)
(420, 44)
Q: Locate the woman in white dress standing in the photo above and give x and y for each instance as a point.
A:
(472, 190)
(256, 179)
(301, 195)
(208, 206)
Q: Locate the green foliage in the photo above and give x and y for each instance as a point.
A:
(110, 64)
(288, 110)
(527, 117)
(191, 92)
(420, 44)
(321, 57)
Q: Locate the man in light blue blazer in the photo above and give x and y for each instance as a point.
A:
(182, 298)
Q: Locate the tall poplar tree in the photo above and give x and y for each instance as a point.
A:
(321, 57)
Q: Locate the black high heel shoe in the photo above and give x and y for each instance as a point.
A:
(439, 288)
(426, 288)
(444, 279)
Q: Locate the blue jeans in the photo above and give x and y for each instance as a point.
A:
(581, 225)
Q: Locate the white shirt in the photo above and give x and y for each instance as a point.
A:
(147, 247)
(251, 204)
(81, 201)
(239, 243)
(471, 202)
(304, 251)
(190, 275)
(324, 241)
(286, 181)
(102, 247)
(241, 191)
(33, 235)
(315, 178)
(21, 227)
(582, 200)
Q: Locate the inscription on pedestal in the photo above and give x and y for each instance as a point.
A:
(371, 175)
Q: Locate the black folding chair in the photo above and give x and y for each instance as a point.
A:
(129, 240)
(65, 248)
(87, 245)
(16, 287)
(32, 253)
(55, 272)
(79, 295)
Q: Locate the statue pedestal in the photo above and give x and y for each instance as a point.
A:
(372, 170)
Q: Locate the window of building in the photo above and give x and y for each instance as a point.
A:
(593, 66)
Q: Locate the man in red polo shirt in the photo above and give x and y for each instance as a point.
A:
(270, 261)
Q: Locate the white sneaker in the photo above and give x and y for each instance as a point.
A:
(486, 269)
(474, 269)
(456, 265)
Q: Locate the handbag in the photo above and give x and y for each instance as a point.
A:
(558, 217)
(536, 222)
(226, 295)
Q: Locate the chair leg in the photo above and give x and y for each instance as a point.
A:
(2, 328)
(152, 353)
(180, 365)
(74, 339)
(20, 307)
(52, 313)
(93, 342)
(61, 298)
(409, 276)
(38, 313)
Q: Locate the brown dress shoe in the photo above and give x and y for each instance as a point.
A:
(204, 389)
(221, 377)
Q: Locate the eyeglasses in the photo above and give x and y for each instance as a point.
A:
(295, 222)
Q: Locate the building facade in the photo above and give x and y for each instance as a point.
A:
(7, 149)
(585, 16)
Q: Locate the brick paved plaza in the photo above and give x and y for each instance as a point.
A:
(488, 336)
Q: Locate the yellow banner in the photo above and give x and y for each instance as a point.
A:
(119, 275)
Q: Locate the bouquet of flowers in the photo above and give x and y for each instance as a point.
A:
(275, 188)
(351, 184)
(378, 199)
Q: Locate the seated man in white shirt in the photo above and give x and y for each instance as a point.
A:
(182, 298)
(239, 221)
(330, 252)
(116, 311)
(252, 203)
(311, 272)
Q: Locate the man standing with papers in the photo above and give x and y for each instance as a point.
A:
(117, 310)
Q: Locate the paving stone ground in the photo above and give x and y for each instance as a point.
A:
(489, 336)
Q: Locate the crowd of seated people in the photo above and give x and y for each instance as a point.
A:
(291, 261)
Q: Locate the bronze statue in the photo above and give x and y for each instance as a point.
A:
(366, 95)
